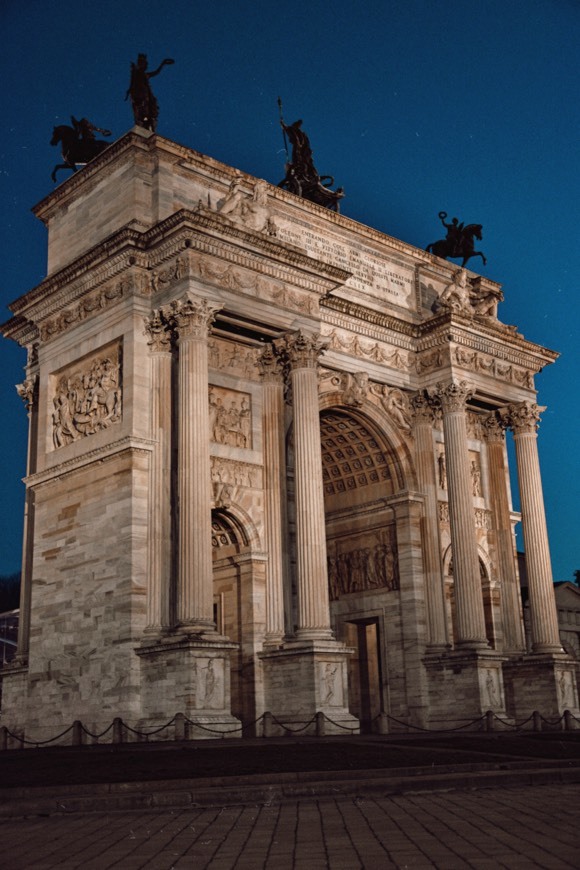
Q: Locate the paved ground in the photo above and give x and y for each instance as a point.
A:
(517, 828)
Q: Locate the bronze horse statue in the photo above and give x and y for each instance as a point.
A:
(459, 241)
(78, 144)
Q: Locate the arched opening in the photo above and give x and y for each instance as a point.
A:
(360, 472)
(237, 586)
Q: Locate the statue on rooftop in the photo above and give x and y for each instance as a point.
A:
(145, 106)
(458, 242)
(302, 177)
(78, 143)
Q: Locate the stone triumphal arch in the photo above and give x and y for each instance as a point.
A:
(267, 469)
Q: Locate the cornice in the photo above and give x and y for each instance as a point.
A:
(129, 444)
(367, 315)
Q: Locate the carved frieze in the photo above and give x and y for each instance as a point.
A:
(374, 565)
(428, 361)
(234, 473)
(489, 365)
(233, 357)
(87, 397)
(160, 279)
(352, 344)
(230, 417)
(93, 302)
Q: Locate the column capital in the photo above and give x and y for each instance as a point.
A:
(424, 407)
(452, 396)
(301, 351)
(271, 365)
(191, 317)
(494, 426)
(523, 417)
(158, 330)
(26, 391)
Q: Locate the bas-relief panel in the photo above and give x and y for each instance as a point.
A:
(367, 561)
(233, 358)
(230, 417)
(383, 279)
(87, 396)
(331, 693)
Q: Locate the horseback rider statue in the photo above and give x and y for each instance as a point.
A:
(458, 242)
(78, 143)
(302, 177)
(145, 106)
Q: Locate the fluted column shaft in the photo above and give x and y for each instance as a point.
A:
(524, 419)
(192, 319)
(425, 465)
(159, 538)
(275, 492)
(466, 578)
(513, 629)
(302, 354)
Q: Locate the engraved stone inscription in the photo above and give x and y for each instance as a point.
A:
(370, 272)
(87, 397)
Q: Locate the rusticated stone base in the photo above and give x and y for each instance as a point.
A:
(190, 674)
(306, 678)
(463, 686)
(543, 683)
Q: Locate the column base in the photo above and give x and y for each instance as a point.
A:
(463, 686)
(189, 673)
(542, 683)
(305, 678)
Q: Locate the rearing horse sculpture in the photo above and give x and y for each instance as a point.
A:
(78, 144)
(459, 241)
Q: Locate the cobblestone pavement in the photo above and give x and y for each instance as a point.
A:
(489, 828)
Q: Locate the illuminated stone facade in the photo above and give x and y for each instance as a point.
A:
(267, 468)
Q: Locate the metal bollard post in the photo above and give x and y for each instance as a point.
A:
(382, 723)
(320, 724)
(3, 738)
(489, 721)
(537, 721)
(117, 730)
(267, 725)
(77, 733)
(568, 721)
(180, 727)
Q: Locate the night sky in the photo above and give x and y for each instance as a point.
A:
(415, 107)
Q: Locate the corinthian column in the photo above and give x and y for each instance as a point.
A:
(192, 319)
(494, 430)
(524, 419)
(425, 464)
(466, 578)
(159, 539)
(302, 353)
(275, 491)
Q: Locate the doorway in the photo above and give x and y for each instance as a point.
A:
(364, 671)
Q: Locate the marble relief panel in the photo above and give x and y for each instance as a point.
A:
(87, 396)
(230, 417)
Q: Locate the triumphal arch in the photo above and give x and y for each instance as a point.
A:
(267, 468)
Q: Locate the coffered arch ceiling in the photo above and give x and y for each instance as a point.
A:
(354, 456)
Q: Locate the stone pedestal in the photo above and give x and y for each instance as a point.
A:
(473, 679)
(543, 683)
(189, 674)
(306, 678)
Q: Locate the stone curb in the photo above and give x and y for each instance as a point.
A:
(270, 788)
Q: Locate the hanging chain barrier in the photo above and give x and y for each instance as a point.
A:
(184, 728)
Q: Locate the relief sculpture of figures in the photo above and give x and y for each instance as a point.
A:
(302, 177)
(459, 241)
(86, 402)
(145, 106)
(229, 424)
(364, 568)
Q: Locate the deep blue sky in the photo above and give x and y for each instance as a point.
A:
(414, 107)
